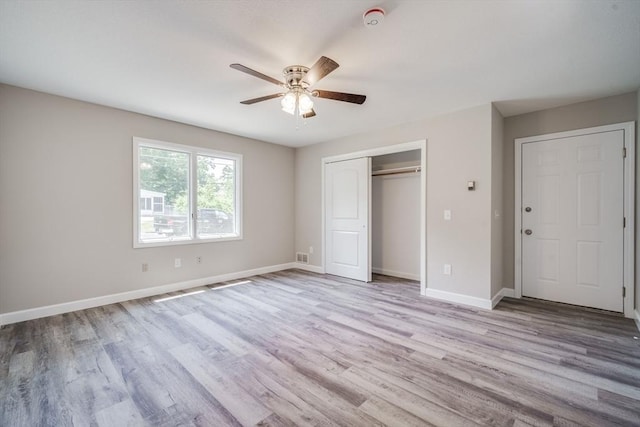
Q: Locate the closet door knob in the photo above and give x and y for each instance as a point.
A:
(528, 232)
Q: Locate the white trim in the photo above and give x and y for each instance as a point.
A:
(369, 220)
(423, 217)
(393, 273)
(628, 129)
(458, 298)
(50, 310)
(307, 267)
(630, 215)
(379, 151)
(504, 292)
(637, 318)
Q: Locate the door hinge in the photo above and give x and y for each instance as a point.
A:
(624, 222)
(624, 292)
(624, 152)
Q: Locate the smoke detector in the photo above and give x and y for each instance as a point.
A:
(373, 17)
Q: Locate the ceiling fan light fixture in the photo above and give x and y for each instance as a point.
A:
(288, 103)
(296, 101)
(305, 104)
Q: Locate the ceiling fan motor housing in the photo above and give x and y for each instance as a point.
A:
(294, 74)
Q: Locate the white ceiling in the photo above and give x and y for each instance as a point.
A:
(171, 59)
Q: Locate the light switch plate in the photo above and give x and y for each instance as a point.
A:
(447, 215)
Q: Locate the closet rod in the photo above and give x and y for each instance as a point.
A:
(395, 171)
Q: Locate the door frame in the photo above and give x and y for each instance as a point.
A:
(628, 129)
(380, 151)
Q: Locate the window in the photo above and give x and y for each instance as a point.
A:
(145, 203)
(158, 204)
(185, 194)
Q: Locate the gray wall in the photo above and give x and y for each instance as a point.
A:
(458, 150)
(66, 203)
(603, 111)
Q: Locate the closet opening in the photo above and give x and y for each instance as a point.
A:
(395, 214)
(376, 227)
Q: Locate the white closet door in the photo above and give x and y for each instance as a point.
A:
(347, 217)
(572, 220)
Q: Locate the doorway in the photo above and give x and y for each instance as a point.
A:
(395, 214)
(574, 217)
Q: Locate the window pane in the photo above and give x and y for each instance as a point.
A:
(158, 204)
(164, 181)
(216, 197)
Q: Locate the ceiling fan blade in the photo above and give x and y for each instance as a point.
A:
(309, 115)
(340, 96)
(320, 69)
(262, 98)
(255, 73)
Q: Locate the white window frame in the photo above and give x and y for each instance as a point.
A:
(193, 191)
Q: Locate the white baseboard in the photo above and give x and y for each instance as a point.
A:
(393, 273)
(637, 317)
(307, 267)
(459, 298)
(504, 292)
(50, 310)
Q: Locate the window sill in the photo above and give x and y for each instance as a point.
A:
(179, 242)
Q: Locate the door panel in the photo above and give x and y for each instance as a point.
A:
(588, 263)
(345, 248)
(344, 193)
(549, 260)
(549, 199)
(572, 220)
(347, 187)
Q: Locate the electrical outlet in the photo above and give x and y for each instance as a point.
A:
(177, 263)
(145, 267)
(447, 269)
(447, 215)
(310, 249)
(198, 260)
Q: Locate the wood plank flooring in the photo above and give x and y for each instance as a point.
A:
(295, 349)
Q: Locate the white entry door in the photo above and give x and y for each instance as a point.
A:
(347, 217)
(572, 220)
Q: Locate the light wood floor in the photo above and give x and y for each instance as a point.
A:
(296, 348)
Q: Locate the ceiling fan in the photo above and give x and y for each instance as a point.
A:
(298, 82)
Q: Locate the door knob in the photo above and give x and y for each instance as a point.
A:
(528, 232)
(527, 209)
